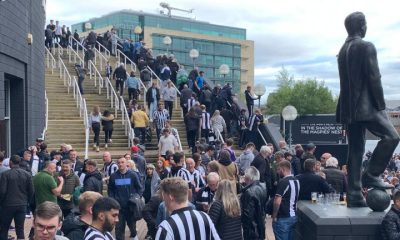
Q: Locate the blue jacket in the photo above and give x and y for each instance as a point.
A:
(122, 186)
(132, 82)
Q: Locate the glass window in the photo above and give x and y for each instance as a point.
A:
(223, 49)
(236, 62)
(236, 50)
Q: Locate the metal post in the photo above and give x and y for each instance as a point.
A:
(259, 102)
(290, 134)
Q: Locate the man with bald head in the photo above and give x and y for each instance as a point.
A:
(323, 159)
(109, 167)
(205, 196)
(361, 106)
(45, 185)
(196, 179)
(122, 184)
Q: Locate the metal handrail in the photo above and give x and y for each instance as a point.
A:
(97, 75)
(259, 131)
(81, 104)
(46, 100)
(72, 40)
(178, 138)
(219, 135)
(53, 61)
(101, 58)
(60, 49)
(133, 65)
(127, 123)
(101, 46)
(111, 94)
(64, 73)
(81, 62)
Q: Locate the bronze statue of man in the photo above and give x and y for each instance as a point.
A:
(362, 106)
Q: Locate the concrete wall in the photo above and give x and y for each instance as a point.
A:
(22, 62)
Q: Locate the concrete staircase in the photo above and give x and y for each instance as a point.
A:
(65, 125)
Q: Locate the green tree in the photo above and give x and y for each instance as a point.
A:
(308, 96)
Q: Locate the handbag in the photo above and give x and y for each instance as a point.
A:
(136, 205)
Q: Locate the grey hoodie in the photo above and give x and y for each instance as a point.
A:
(244, 161)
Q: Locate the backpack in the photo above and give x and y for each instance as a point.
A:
(136, 205)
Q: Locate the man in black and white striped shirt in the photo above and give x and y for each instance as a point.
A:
(160, 117)
(285, 202)
(205, 123)
(178, 170)
(105, 214)
(184, 222)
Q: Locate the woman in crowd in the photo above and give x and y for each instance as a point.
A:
(94, 123)
(107, 121)
(225, 212)
(151, 182)
(161, 170)
(218, 123)
(226, 168)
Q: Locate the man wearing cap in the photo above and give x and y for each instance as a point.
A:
(308, 154)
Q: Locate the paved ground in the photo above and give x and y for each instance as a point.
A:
(142, 229)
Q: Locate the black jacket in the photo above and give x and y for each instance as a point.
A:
(227, 227)
(252, 201)
(263, 167)
(93, 182)
(73, 228)
(120, 73)
(391, 225)
(150, 210)
(361, 92)
(149, 96)
(16, 188)
(336, 179)
(186, 93)
(192, 122)
(311, 182)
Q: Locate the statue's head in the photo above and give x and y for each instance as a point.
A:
(355, 24)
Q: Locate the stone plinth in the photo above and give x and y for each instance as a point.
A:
(337, 222)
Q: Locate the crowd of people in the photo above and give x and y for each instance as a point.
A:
(212, 193)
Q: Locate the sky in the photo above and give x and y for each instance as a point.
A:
(302, 36)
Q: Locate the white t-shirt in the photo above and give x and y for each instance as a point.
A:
(35, 165)
(167, 143)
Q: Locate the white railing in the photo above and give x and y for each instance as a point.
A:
(178, 138)
(102, 47)
(101, 59)
(218, 135)
(76, 55)
(60, 50)
(46, 124)
(126, 59)
(127, 123)
(50, 61)
(160, 82)
(93, 71)
(265, 142)
(81, 105)
(75, 43)
(64, 73)
(111, 94)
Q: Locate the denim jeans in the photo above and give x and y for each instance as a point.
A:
(284, 228)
